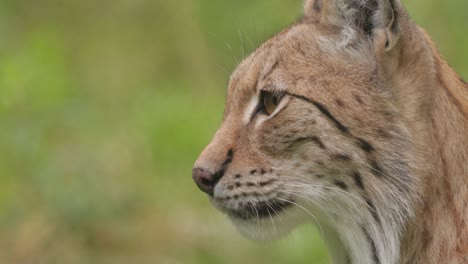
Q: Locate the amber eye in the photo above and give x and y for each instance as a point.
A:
(270, 101)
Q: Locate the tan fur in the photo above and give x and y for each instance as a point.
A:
(371, 138)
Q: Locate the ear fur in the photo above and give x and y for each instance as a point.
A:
(375, 18)
(313, 8)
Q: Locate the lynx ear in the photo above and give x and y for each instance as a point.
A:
(375, 18)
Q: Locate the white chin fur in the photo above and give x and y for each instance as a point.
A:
(268, 229)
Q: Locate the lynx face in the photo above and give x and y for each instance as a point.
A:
(305, 129)
(311, 133)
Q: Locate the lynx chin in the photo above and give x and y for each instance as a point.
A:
(350, 119)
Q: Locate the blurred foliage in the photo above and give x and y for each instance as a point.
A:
(105, 105)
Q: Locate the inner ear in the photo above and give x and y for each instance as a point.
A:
(386, 26)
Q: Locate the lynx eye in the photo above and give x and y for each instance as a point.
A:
(271, 101)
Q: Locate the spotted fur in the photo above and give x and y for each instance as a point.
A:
(370, 138)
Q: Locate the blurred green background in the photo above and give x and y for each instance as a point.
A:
(105, 105)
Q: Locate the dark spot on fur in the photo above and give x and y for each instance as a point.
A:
(366, 146)
(230, 187)
(252, 172)
(342, 157)
(358, 180)
(319, 162)
(237, 176)
(320, 176)
(229, 156)
(262, 171)
(250, 184)
(339, 103)
(341, 184)
(238, 184)
(235, 196)
(265, 183)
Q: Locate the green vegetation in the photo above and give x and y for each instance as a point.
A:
(105, 105)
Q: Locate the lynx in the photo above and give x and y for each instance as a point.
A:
(352, 120)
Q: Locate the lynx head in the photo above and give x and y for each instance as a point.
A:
(310, 129)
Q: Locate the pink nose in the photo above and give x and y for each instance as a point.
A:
(205, 180)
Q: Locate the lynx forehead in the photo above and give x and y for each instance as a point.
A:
(349, 119)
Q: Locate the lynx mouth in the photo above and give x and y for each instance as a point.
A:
(260, 210)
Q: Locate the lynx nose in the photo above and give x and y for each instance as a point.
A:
(205, 180)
